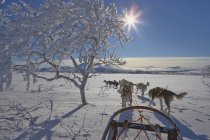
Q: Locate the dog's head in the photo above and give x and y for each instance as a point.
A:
(116, 82)
(121, 82)
(125, 90)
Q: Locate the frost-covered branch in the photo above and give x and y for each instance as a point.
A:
(5, 69)
(56, 31)
(17, 114)
(82, 130)
(206, 76)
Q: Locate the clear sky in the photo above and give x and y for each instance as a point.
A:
(170, 28)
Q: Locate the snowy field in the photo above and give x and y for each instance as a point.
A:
(53, 110)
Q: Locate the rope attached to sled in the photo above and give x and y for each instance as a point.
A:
(141, 118)
(174, 132)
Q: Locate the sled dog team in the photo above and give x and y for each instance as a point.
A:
(111, 83)
(126, 90)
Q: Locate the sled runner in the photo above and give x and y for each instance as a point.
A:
(140, 125)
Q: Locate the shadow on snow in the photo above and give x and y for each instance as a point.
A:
(184, 129)
(46, 130)
(145, 99)
(126, 115)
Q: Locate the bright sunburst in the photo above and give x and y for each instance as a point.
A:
(132, 18)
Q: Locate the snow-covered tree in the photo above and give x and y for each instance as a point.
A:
(206, 76)
(60, 30)
(5, 69)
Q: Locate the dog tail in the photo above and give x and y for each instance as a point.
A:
(181, 95)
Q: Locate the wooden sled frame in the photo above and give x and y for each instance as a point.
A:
(173, 133)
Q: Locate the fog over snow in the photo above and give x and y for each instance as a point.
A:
(172, 65)
(163, 62)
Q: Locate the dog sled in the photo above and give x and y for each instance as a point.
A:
(140, 125)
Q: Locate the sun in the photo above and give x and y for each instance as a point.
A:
(132, 18)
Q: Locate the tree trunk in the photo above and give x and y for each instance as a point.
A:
(82, 93)
(82, 89)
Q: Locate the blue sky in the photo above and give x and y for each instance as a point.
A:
(171, 28)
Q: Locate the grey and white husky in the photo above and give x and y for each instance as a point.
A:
(165, 94)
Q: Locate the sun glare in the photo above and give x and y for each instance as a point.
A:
(132, 18)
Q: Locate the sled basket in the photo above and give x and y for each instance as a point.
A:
(116, 128)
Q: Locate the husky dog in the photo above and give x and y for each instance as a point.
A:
(142, 87)
(107, 83)
(115, 84)
(126, 95)
(124, 82)
(165, 94)
(110, 83)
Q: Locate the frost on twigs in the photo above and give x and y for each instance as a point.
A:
(206, 76)
(44, 38)
(79, 129)
(15, 116)
(5, 69)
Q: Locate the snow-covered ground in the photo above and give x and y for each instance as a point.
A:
(53, 110)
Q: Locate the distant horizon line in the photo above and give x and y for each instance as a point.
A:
(169, 57)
